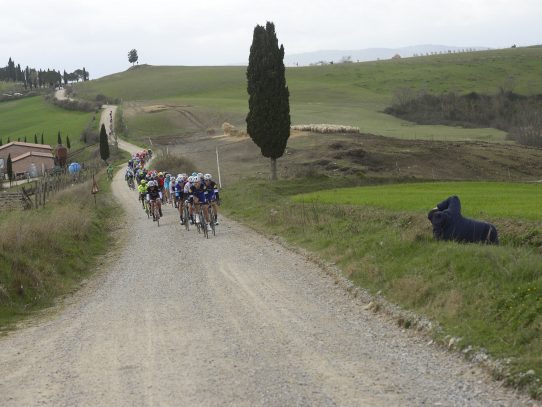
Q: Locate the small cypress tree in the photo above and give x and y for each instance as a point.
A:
(59, 139)
(42, 138)
(9, 168)
(9, 141)
(68, 142)
(25, 139)
(35, 139)
(104, 144)
(19, 139)
(0, 141)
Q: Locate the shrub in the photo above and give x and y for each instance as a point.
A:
(173, 164)
(326, 128)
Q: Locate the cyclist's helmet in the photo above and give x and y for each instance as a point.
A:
(194, 174)
(207, 177)
(200, 175)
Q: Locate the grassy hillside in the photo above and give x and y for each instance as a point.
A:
(354, 94)
(29, 116)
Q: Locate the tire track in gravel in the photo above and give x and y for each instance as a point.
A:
(176, 319)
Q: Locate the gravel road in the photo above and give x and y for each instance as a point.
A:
(236, 320)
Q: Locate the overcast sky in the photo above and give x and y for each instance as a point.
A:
(98, 34)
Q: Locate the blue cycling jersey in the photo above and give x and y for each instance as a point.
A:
(200, 193)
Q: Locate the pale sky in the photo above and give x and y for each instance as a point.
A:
(98, 34)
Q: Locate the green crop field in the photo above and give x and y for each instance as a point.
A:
(29, 116)
(492, 199)
(352, 94)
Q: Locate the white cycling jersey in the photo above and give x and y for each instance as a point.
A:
(187, 187)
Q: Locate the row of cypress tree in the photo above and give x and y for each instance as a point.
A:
(59, 140)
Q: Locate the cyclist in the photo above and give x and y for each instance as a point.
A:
(167, 181)
(142, 189)
(188, 197)
(154, 197)
(172, 185)
(212, 195)
(110, 171)
(198, 192)
(181, 196)
(129, 178)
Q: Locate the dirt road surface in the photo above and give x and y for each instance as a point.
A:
(237, 320)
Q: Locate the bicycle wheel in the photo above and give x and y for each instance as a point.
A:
(186, 217)
(212, 219)
(157, 214)
(197, 220)
(203, 223)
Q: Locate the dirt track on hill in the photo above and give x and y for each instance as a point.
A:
(175, 319)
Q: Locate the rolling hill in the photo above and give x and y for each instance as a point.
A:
(353, 94)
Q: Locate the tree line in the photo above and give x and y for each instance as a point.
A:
(519, 115)
(37, 78)
(35, 140)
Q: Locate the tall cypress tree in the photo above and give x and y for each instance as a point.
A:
(68, 142)
(0, 141)
(9, 168)
(25, 139)
(268, 119)
(35, 138)
(42, 138)
(59, 138)
(9, 141)
(104, 144)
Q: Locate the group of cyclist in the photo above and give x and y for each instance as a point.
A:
(136, 166)
(191, 195)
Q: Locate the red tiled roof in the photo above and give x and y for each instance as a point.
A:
(34, 154)
(20, 143)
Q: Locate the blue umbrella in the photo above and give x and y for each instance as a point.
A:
(74, 168)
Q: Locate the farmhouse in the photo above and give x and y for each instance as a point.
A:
(24, 156)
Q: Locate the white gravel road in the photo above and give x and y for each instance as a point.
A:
(236, 320)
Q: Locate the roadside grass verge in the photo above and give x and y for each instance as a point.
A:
(489, 296)
(46, 253)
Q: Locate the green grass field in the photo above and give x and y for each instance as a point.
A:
(29, 116)
(492, 199)
(489, 296)
(353, 94)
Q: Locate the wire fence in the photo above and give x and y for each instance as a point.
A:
(35, 194)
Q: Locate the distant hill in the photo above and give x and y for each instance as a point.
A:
(370, 54)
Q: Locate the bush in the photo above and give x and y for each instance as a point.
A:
(173, 164)
(517, 114)
(77, 105)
